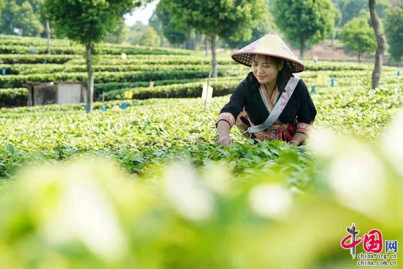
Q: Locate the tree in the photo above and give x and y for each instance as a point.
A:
(149, 37)
(22, 17)
(161, 21)
(394, 32)
(357, 36)
(265, 26)
(217, 18)
(45, 18)
(337, 22)
(383, 8)
(380, 38)
(26, 17)
(36, 4)
(120, 35)
(169, 28)
(156, 23)
(88, 22)
(304, 22)
(135, 30)
(338, 17)
(351, 9)
(2, 4)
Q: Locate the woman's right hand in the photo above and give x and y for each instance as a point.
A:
(225, 140)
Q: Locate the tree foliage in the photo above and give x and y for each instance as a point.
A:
(265, 26)
(304, 22)
(383, 8)
(21, 17)
(170, 33)
(338, 17)
(138, 31)
(358, 36)
(88, 22)
(149, 37)
(135, 30)
(158, 26)
(394, 32)
(120, 35)
(225, 18)
(2, 4)
(217, 18)
(351, 8)
(168, 27)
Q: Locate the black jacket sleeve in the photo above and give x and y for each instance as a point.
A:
(237, 100)
(307, 111)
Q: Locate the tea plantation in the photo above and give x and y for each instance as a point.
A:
(148, 186)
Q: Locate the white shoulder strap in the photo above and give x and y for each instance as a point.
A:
(278, 108)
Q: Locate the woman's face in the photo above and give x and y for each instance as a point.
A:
(264, 69)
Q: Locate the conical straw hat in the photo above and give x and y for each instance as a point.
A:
(270, 45)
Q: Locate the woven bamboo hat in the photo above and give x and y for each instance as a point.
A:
(270, 45)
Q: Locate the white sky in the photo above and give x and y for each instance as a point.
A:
(141, 14)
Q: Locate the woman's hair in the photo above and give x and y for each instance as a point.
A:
(283, 76)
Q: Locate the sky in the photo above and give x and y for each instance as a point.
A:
(141, 14)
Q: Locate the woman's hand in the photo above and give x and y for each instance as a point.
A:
(223, 133)
(225, 140)
(297, 139)
(293, 143)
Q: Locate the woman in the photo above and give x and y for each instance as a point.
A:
(271, 103)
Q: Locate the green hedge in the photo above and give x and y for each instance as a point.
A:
(187, 90)
(194, 90)
(79, 50)
(155, 60)
(35, 59)
(31, 41)
(16, 81)
(40, 45)
(18, 97)
(112, 86)
(112, 60)
(13, 97)
(334, 66)
(25, 69)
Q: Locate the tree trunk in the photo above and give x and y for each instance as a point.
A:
(333, 36)
(301, 50)
(359, 57)
(380, 38)
(206, 44)
(198, 40)
(189, 40)
(214, 54)
(47, 30)
(48, 34)
(90, 83)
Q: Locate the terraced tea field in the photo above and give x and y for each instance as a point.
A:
(161, 193)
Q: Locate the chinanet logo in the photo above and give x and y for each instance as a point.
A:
(372, 243)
